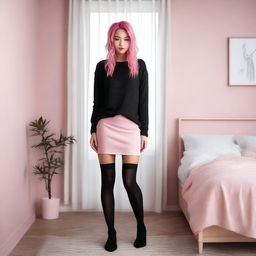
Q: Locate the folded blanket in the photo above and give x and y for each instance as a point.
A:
(223, 193)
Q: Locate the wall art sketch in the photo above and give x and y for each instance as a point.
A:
(242, 61)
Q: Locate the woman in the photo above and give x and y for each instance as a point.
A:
(120, 123)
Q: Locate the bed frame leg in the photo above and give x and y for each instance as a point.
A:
(200, 242)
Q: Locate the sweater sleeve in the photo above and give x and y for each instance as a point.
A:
(143, 100)
(96, 97)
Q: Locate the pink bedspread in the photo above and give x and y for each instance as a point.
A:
(223, 193)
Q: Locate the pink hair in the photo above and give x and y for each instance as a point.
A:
(131, 54)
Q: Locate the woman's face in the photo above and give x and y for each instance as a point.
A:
(121, 42)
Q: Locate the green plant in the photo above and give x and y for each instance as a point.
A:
(52, 150)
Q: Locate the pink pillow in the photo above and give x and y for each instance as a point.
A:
(249, 152)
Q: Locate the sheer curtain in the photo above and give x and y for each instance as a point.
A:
(89, 21)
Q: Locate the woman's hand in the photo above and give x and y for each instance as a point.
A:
(93, 142)
(143, 143)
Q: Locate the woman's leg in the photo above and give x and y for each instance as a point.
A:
(129, 170)
(107, 165)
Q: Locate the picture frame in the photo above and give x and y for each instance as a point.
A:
(241, 61)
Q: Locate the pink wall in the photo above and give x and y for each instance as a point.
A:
(33, 83)
(18, 107)
(200, 29)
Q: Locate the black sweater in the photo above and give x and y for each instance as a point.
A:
(121, 94)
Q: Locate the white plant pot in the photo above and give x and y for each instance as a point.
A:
(50, 207)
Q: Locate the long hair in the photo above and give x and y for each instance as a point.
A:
(131, 54)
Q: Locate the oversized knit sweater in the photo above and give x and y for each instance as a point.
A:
(121, 94)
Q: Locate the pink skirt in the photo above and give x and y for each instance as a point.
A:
(118, 135)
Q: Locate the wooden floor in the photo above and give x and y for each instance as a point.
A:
(85, 233)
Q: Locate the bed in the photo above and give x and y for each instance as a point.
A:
(214, 233)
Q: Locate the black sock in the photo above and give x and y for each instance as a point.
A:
(129, 171)
(111, 244)
(108, 202)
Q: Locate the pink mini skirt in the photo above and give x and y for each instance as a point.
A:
(118, 135)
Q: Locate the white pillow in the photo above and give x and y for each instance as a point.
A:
(221, 144)
(202, 149)
(246, 141)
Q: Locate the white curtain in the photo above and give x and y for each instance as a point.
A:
(89, 21)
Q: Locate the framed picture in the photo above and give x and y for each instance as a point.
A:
(242, 61)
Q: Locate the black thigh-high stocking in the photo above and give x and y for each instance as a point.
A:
(108, 202)
(129, 171)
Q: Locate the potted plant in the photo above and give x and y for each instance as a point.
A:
(52, 161)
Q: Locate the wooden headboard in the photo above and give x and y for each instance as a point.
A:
(234, 126)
